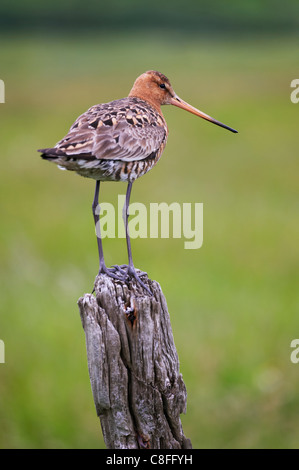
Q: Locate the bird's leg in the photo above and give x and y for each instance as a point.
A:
(96, 215)
(131, 271)
(124, 269)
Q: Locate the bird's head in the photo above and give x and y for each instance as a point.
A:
(156, 89)
(153, 87)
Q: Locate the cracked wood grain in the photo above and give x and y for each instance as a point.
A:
(133, 365)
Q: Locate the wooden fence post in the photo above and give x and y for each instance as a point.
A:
(133, 365)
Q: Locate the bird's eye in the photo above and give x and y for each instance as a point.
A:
(162, 85)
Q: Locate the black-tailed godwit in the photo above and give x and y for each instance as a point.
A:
(121, 141)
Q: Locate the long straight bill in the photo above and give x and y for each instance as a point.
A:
(176, 101)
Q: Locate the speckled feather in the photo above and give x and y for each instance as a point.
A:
(117, 141)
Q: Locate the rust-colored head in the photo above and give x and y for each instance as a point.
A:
(155, 88)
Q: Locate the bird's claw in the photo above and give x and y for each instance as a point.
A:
(126, 270)
(111, 272)
(119, 269)
(124, 273)
(132, 273)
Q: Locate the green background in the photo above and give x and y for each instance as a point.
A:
(234, 302)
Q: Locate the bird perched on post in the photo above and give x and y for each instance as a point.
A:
(121, 141)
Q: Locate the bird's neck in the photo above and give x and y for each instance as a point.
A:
(135, 93)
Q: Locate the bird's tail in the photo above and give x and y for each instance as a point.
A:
(51, 153)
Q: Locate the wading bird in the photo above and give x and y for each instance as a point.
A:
(121, 141)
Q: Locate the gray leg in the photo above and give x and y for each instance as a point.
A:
(131, 271)
(96, 215)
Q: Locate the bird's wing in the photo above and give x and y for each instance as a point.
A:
(114, 131)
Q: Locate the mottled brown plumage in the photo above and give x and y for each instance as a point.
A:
(121, 141)
(117, 141)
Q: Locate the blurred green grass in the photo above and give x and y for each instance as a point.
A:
(233, 303)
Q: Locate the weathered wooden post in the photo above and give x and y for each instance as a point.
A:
(133, 365)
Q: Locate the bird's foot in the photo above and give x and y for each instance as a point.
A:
(132, 273)
(120, 270)
(113, 273)
(125, 272)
